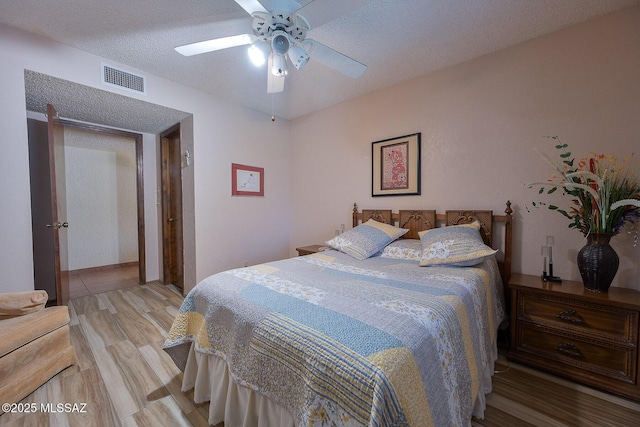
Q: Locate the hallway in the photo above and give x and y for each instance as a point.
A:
(92, 281)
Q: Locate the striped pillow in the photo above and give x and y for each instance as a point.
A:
(410, 249)
(366, 239)
(457, 245)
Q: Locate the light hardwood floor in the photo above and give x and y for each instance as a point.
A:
(126, 379)
(90, 281)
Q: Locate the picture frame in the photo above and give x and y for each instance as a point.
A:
(396, 166)
(246, 180)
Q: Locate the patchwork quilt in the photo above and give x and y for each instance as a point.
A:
(339, 341)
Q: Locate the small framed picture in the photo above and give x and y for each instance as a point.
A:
(246, 180)
(396, 166)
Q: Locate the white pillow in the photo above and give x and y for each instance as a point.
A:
(458, 245)
(366, 239)
(410, 249)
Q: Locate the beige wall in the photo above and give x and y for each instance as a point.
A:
(228, 231)
(101, 199)
(479, 123)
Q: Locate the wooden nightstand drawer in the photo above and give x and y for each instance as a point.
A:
(603, 358)
(594, 319)
(582, 335)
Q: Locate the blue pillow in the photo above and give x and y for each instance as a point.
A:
(410, 249)
(458, 245)
(366, 239)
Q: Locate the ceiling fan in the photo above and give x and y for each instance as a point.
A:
(279, 35)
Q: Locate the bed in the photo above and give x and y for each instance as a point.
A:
(403, 336)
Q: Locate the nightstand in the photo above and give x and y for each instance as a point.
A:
(311, 249)
(589, 337)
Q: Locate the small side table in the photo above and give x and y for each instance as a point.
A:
(589, 337)
(311, 249)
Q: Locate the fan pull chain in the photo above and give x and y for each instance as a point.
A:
(273, 115)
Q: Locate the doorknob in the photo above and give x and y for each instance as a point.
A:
(171, 220)
(58, 225)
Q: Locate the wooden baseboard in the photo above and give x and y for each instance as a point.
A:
(103, 268)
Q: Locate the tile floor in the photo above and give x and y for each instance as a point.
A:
(91, 281)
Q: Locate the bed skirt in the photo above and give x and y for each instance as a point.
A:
(238, 406)
(211, 381)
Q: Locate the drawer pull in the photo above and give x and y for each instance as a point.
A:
(571, 316)
(569, 349)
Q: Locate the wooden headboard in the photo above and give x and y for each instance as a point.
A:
(419, 220)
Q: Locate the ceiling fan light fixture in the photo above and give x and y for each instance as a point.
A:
(279, 37)
(298, 56)
(258, 53)
(278, 65)
(280, 42)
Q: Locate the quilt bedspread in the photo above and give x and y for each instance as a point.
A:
(338, 341)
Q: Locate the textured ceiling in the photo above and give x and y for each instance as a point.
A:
(397, 39)
(91, 105)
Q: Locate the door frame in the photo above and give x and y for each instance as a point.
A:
(142, 264)
(55, 145)
(168, 160)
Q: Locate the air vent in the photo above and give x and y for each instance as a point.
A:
(112, 76)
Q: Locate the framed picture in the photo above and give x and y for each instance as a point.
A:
(396, 166)
(246, 180)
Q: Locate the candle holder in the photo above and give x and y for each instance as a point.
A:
(547, 256)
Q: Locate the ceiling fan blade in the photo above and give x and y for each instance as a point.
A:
(286, 6)
(251, 6)
(275, 84)
(321, 12)
(215, 44)
(336, 60)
